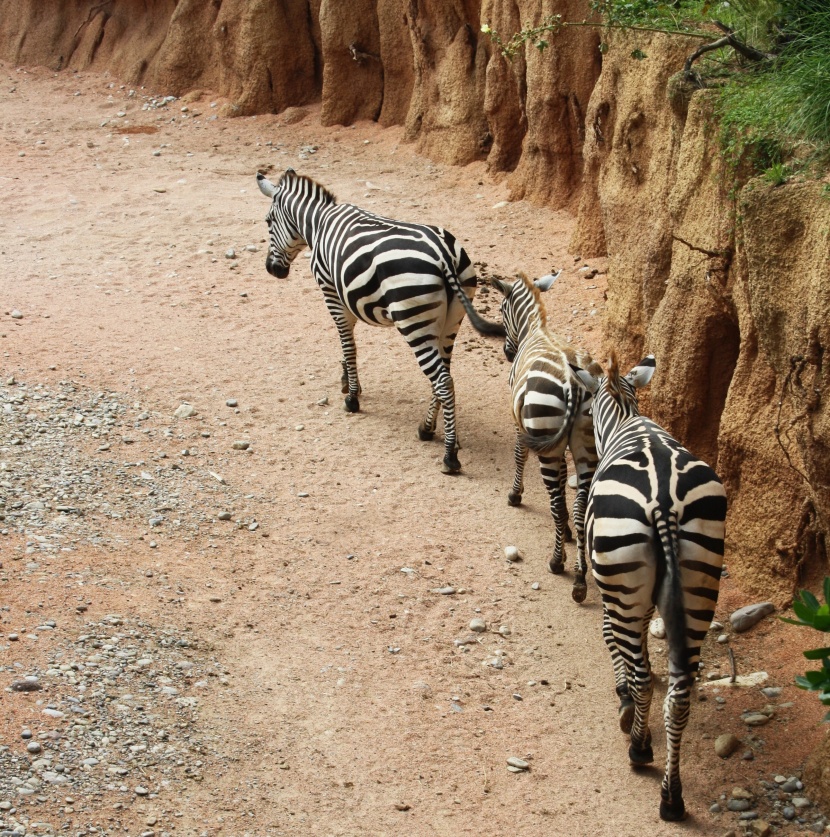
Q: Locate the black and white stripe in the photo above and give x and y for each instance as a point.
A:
(383, 272)
(655, 533)
(551, 412)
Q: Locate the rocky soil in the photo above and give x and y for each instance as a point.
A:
(227, 607)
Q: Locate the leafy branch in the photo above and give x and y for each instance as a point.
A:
(811, 613)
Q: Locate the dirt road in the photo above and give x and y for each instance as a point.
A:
(290, 670)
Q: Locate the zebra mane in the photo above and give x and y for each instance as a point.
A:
(326, 196)
(612, 380)
(537, 298)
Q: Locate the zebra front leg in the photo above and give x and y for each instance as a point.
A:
(675, 716)
(520, 452)
(345, 328)
(551, 467)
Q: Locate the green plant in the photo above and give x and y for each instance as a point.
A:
(777, 174)
(769, 61)
(810, 612)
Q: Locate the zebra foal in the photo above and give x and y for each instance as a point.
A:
(655, 533)
(382, 272)
(551, 412)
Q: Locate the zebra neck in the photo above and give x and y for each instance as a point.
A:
(531, 328)
(609, 421)
(304, 214)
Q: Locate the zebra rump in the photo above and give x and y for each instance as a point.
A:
(655, 533)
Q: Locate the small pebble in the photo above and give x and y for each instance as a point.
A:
(232, 402)
(478, 625)
(241, 445)
(16, 315)
(34, 747)
(512, 554)
(519, 764)
(225, 515)
(726, 744)
(657, 628)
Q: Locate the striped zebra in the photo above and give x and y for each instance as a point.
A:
(382, 272)
(551, 412)
(655, 532)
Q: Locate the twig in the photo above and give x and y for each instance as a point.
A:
(729, 39)
(796, 363)
(734, 676)
(359, 56)
(715, 254)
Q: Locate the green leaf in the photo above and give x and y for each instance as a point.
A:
(818, 654)
(810, 600)
(815, 678)
(803, 612)
(793, 621)
(821, 621)
(803, 682)
(827, 589)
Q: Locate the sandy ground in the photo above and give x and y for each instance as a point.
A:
(344, 705)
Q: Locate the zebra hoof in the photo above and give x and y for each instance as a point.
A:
(580, 590)
(352, 404)
(640, 757)
(672, 811)
(425, 435)
(451, 464)
(626, 715)
(514, 499)
(556, 567)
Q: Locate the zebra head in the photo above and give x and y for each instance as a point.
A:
(521, 305)
(615, 395)
(284, 239)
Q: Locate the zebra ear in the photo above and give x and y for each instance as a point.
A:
(265, 186)
(585, 379)
(501, 285)
(544, 283)
(642, 373)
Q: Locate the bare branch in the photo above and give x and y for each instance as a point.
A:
(715, 254)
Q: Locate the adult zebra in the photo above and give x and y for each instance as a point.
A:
(383, 272)
(655, 532)
(551, 412)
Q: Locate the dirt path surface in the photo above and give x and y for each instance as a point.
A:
(248, 641)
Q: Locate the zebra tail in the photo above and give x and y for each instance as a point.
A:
(479, 323)
(673, 608)
(540, 444)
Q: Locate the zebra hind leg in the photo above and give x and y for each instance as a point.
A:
(426, 429)
(552, 466)
(641, 687)
(580, 589)
(520, 453)
(676, 716)
(626, 710)
(436, 368)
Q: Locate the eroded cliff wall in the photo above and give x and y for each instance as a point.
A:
(730, 289)
(424, 64)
